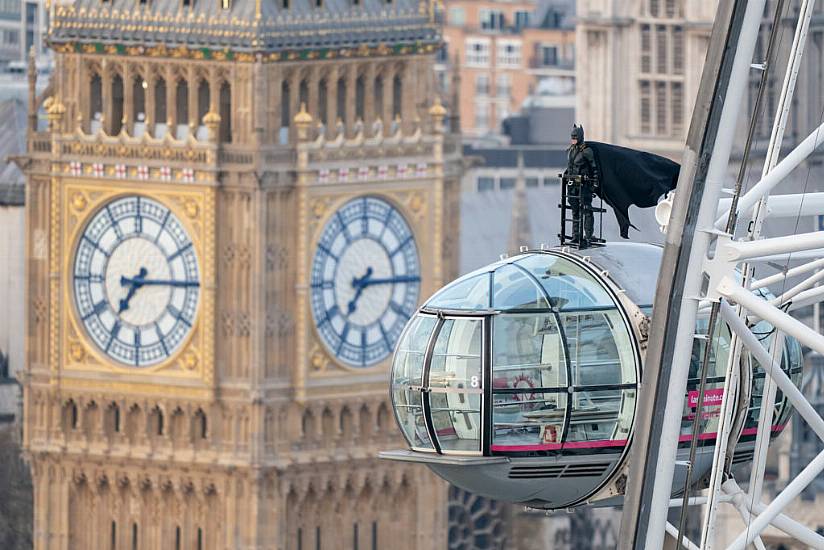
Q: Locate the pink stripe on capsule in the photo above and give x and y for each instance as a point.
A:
(568, 445)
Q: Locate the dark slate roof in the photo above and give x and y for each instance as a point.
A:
(247, 26)
(507, 157)
(12, 142)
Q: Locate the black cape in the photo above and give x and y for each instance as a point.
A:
(632, 177)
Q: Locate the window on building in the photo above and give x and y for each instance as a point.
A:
(482, 117)
(486, 183)
(360, 98)
(532, 182)
(549, 56)
(677, 108)
(377, 94)
(323, 100)
(661, 108)
(492, 20)
(225, 4)
(442, 54)
(202, 100)
(117, 105)
(340, 101)
(509, 53)
(457, 16)
(503, 83)
(673, 8)
(678, 50)
(182, 117)
(521, 19)
(285, 100)
(655, 8)
(397, 96)
(95, 97)
(482, 84)
(477, 52)
(645, 110)
(661, 48)
(225, 106)
(507, 184)
(646, 49)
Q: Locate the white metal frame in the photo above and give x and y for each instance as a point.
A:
(732, 256)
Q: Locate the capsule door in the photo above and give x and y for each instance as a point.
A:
(454, 385)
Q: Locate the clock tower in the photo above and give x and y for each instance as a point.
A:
(233, 208)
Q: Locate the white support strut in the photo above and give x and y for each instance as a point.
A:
(777, 175)
(682, 346)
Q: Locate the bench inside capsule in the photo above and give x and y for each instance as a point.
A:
(528, 370)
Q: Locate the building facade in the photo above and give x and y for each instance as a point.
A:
(638, 69)
(227, 229)
(496, 53)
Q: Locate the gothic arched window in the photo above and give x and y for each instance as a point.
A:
(225, 113)
(322, 100)
(139, 100)
(397, 96)
(182, 107)
(341, 100)
(202, 100)
(116, 123)
(95, 99)
(359, 98)
(378, 95)
(160, 114)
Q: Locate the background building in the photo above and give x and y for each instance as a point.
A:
(497, 52)
(195, 377)
(12, 276)
(638, 68)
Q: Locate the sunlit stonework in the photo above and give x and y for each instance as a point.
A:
(180, 389)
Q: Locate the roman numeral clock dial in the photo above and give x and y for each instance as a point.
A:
(135, 281)
(365, 281)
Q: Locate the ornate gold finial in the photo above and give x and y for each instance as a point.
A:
(303, 117)
(437, 112)
(54, 111)
(212, 122)
(303, 121)
(437, 109)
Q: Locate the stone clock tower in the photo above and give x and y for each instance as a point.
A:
(233, 207)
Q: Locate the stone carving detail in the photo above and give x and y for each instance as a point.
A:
(475, 523)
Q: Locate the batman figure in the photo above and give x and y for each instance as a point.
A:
(582, 176)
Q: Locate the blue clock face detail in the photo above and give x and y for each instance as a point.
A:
(365, 281)
(135, 280)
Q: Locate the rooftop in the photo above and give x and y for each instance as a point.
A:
(244, 25)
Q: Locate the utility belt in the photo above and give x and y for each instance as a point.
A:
(579, 180)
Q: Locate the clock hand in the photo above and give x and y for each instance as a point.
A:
(358, 284)
(357, 281)
(399, 279)
(135, 283)
(157, 282)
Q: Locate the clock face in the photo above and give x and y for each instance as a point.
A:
(135, 281)
(365, 281)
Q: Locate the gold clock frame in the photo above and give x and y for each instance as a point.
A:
(413, 203)
(75, 358)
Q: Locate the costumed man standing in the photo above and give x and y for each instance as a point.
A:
(582, 176)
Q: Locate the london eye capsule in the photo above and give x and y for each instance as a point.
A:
(519, 381)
